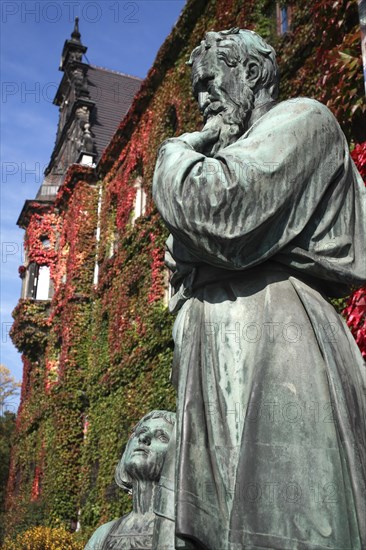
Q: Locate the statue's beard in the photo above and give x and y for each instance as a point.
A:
(232, 120)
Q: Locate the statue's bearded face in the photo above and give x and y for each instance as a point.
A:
(220, 87)
(146, 449)
(215, 85)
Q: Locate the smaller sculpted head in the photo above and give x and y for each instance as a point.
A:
(145, 452)
(233, 71)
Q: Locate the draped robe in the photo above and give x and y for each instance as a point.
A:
(124, 534)
(271, 412)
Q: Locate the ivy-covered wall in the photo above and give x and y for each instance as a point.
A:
(98, 355)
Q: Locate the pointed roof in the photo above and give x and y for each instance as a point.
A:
(75, 35)
(73, 49)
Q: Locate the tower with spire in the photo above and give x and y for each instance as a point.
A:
(73, 49)
(92, 101)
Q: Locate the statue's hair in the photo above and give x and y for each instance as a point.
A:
(168, 416)
(122, 478)
(247, 46)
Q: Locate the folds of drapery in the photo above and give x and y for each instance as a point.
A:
(286, 193)
(287, 190)
(271, 419)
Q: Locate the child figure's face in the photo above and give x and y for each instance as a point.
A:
(146, 449)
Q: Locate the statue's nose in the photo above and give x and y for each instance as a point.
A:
(145, 438)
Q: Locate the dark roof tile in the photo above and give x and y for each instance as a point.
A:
(112, 93)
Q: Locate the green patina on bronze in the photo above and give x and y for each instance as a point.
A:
(267, 216)
(137, 473)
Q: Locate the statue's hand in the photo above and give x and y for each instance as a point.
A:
(201, 141)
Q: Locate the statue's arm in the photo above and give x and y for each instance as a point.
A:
(256, 195)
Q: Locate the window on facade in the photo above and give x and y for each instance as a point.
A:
(169, 290)
(284, 18)
(45, 242)
(140, 200)
(17, 480)
(113, 245)
(30, 286)
(52, 372)
(37, 284)
(85, 426)
(43, 283)
(171, 121)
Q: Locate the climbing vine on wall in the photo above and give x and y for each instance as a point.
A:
(355, 310)
(41, 239)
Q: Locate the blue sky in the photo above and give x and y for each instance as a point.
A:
(120, 35)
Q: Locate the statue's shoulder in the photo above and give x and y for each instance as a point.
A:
(302, 105)
(99, 536)
(299, 118)
(301, 115)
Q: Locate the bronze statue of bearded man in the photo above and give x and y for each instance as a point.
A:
(267, 217)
